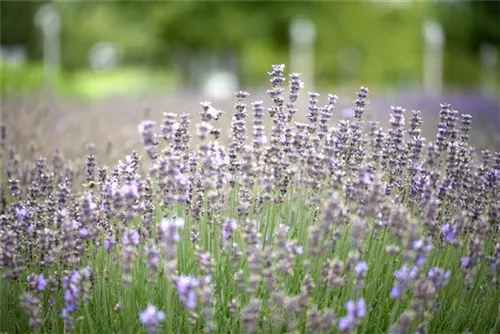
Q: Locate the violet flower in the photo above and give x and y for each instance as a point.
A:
(41, 284)
(109, 244)
(439, 277)
(186, 287)
(449, 232)
(169, 229)
(131, 237)
(404, 276)
(355, 311)
(229, 228)
(151, 318)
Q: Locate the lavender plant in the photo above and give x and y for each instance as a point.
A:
(299, 227)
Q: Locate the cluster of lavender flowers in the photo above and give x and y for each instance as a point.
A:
(297, 227)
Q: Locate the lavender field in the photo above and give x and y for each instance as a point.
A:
(272, 216)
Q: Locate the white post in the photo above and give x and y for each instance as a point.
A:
(48, 20)
(302, 36)
(489, 67)
(434, 41)
(104, 56)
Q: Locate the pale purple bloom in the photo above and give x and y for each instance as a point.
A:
(84, 233)
(229, 228)
(181, 179)
(170, 228)
(292, 246)
(153, 256)
(347, 112)
(70, 301)
(361, 309)
(73, 224)
(355, 311)
(261, 140)
(449, 232)
(63, 213)
(214, 113)
(112, 187)
(366, 179)
(186, 287)
(72, 285)
(21, 213)
(422, 247)
(404, 276)
(144, 126)
(241, 94)
(206, 105)
(40, 283)
(420, 260)
(418, 244)
(351, 307)
(361, 268)
(130, 190)
(151, 318)
(464, 262)
(109, 244)
(439, 277)
(131, 237)
(346, 324)
(203, 129)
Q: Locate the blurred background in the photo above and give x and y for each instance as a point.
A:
(145, 55)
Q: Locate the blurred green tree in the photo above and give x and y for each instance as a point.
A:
(17, 25)
(368, 41)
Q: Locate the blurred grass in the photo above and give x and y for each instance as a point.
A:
(86, 84)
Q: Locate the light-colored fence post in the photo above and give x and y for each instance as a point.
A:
(434, 41)
(302, 37)
(104, 56)
(48, 20)
(489, 67)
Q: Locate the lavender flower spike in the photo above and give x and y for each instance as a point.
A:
(186, 287)
(151, 318)
(355, 311)
(229, 228)
(40, 283)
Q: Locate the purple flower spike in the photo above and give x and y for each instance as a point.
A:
(361, 268)
(439, 277)
(21, 213)
(130, 190)
(186, 288)
(229, 228)
(361, 309)
(169, 229)
(449, 232)
(84, 233)
(404, 276)
(395, 292)
(355, 311)
(464, 262)
(346, 324)
(108, 245)
(40, 283)
(131, 237)
(151, 318)
(70, 301)
(351, 307)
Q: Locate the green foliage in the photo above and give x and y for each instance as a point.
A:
(85, 83)
(461, 308)
(369, 41)
(17, 24)
(27, 78)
